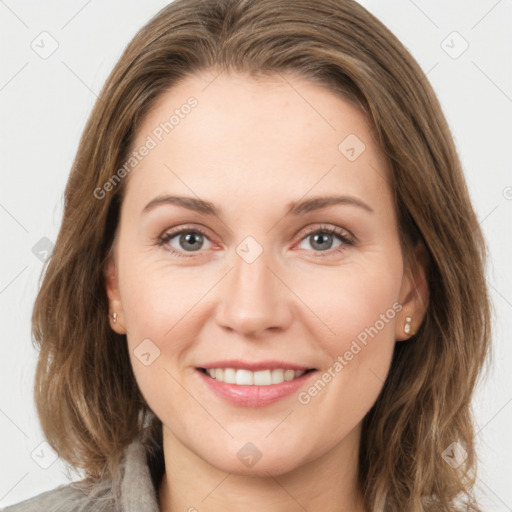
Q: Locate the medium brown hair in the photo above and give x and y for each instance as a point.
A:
(88, 401)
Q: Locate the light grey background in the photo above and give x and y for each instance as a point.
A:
(45, 102)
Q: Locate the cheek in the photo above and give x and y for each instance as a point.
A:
(358, 337)
(156, 297)
(161, 305)
(155, 305)
(356, 299)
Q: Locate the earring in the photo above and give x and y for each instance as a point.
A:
(114, 317)
(407, 326)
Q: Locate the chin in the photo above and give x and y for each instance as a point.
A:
(256, 458)
(275, 464)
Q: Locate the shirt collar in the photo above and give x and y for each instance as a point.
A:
(143, 470)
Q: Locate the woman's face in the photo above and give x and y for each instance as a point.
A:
(243, 272)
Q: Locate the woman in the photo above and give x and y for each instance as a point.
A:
(256, 367)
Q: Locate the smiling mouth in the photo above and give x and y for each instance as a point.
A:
(243, 377)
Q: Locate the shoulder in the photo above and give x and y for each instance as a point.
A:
(65, 498)
(135, 488)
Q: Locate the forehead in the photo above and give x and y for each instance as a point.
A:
(276, 138)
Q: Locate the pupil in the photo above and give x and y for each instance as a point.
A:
(321, 236)
(190, 238)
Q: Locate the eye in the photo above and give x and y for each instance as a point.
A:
(187, 240)
(191, 240)
(321, 239)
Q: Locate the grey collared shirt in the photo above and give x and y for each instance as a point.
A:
(134, 491)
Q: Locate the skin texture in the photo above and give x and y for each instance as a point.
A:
(251, 147)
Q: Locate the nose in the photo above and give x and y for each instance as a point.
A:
(255, 299)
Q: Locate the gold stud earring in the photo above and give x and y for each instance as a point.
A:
(407, 326)
(114, 317)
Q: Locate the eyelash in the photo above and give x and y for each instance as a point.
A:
(341, 234)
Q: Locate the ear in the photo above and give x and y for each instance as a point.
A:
(114, 296)
(414, 294)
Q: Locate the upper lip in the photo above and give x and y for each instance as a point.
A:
(238, 364)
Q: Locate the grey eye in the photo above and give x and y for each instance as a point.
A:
(321, 241)
(189, 241)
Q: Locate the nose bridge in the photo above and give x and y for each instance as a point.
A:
(254, 299)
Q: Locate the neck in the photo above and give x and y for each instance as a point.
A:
(328, 483)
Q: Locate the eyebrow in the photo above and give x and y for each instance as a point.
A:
(293, 208)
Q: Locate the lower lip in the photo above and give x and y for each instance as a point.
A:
(254, 396)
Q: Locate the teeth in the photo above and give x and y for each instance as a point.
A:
(248, 378)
